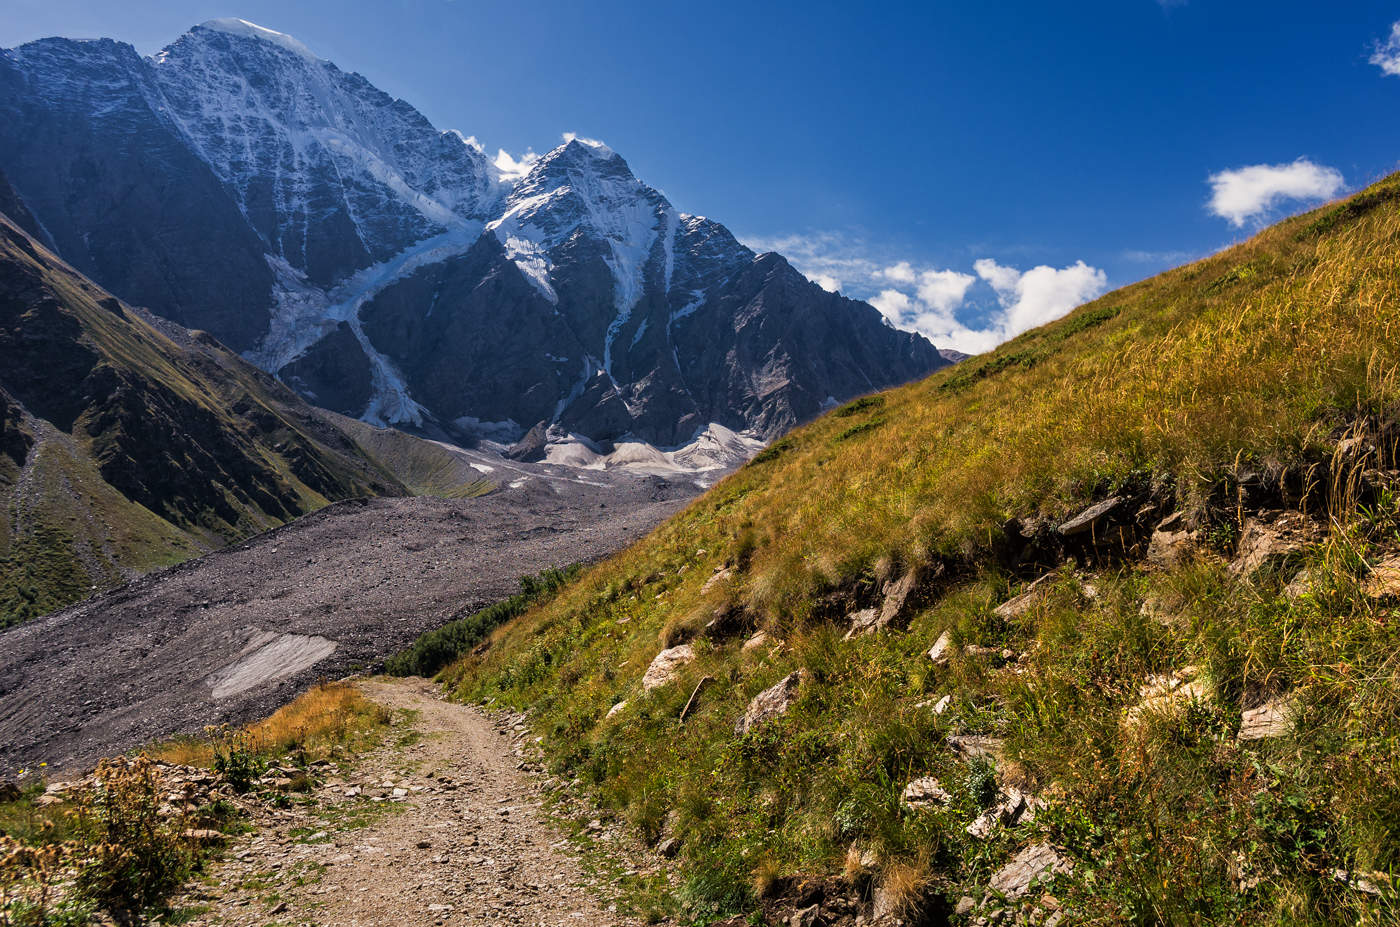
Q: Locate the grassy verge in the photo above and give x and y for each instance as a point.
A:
(436, 649)
(331, 718)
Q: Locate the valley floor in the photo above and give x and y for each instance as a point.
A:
(231, 636)
(439, 827)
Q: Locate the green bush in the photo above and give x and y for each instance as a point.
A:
(436, 649)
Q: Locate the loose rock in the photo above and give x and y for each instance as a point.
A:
(771, 702)
(667, 665)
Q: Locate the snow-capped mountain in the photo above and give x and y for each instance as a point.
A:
(237, 183)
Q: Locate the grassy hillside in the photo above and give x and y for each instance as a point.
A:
(425, 467)
(128, 443)
(1231, 393)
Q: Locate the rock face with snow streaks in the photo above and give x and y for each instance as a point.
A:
(237, 183)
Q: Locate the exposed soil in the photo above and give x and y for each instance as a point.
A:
(436, 828)
(233, 635)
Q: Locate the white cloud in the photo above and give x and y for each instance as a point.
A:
(1040, 294)
(1023, 301)
(944, 290)
(1252, 192)
(512, 168)
(893, 305)
(942, 304)
(1387, 53)
(903, 272)
(827, 282)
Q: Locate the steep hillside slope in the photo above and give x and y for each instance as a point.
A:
(127, 442)
(1097, 628)
(236, 183)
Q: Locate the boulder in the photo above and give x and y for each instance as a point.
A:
(202, 835)
(925, 792)
(1274, 718)
(1384, 580)
(772, 702)
(862, 622)
(1300, 585)
(1270, 545)
(1018, 605)
(937, 707)
(898, 600)
(1171, 543)
(1089, 518)
(667, 665)
(1168, 692)
(1034, 863)
(895, 610)
(942, 649)
(616, 709)
(721, 575)
(1011, 808)
(968, 746)
(759, 640)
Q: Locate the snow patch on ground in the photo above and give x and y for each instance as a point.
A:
(715, 449)
(269, 656)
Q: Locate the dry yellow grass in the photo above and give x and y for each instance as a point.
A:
(329, 715)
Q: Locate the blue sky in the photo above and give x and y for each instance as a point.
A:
(970, 167)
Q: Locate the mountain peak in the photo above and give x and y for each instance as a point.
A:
(591, 146)
(248, 30)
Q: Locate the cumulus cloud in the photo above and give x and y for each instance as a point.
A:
(903, 272)
(969, 312)
(513, 168)
(1252, 192)
(1040, 294)
(1387, 54)
(944, 290)
(1024, 299)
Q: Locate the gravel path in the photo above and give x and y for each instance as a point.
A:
(456, 837)
(233, 635)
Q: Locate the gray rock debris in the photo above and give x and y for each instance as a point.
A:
(771, 703)
(1036, 862)
(925, 792)
(667, 665)
(1088, 519)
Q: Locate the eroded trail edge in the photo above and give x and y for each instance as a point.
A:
(435, 826)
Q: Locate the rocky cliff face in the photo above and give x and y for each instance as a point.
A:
(235, 182)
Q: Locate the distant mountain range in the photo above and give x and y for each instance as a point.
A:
(237, 184)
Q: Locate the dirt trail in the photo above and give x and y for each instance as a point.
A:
(465, 843)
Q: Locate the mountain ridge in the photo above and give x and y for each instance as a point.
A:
(314, 194)
(128, 442)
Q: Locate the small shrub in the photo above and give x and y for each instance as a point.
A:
(235, 756)
(28, 883)
(436, 649)
(131, 857)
